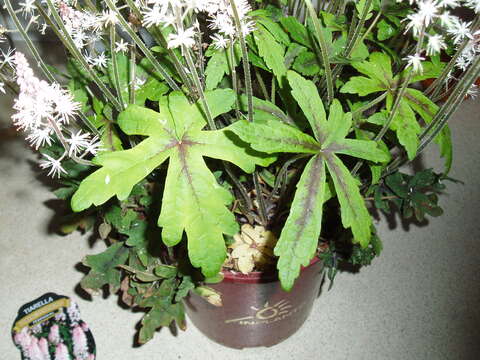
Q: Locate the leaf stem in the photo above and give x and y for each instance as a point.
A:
(231, 60)
(369, 105)
(116, 74)
(324, 50)
(246, 65)
(158, 36)
(199, 89)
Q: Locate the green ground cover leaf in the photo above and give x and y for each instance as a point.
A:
(103, 268)
(193, 201)
(299, 236)
(271, 52)
(299, 239)
(219, 65)
(306, 94)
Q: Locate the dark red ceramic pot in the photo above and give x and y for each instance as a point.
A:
(256, 311)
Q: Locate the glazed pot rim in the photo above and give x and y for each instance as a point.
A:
(257, 276)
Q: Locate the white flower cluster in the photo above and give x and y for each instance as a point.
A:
(432, 15)
(221, 17)
(86, 28)
(44, 110)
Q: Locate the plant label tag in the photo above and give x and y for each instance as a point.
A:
(50, 328)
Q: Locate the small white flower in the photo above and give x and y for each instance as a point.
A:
(460, 30)
(109, 18)
(8, 57)
(65, 106)
(55, 166)
(78, 142)
(435, 44)
(94, 146)
(2, 87)
(121, 46)
(40, 137)
(100, 60)
(428, 10)
(184, 37)
(219, 41)
(473, 91)
(27, 6)
(448, 20)
(473, 4)
(449, 3)
(415, 23)
(154, 16)
(415, 62)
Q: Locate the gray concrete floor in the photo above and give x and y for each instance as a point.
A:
(419, 300)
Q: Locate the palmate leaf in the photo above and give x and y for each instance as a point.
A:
(193, 201)
(354, 212)
(379, 78)
(299, 237)
(306, 94)
(271, 52)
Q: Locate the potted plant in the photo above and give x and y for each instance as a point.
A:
(229, 150)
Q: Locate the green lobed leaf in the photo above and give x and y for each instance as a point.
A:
(297, 31)
(352, 205)
(385, 30)
(306, 94)
(271, 52)
(219, 65)
(275, 29)
(193, 201)
(362, 86)
(427, 109)
(299, 238)
(103, 267)
(272, 136)
(306, 63)
(377, 67)
(338, 125)
(406, 126)
(264, 110)
(364, 149)
(293, 50)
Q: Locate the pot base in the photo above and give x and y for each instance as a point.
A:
(256, 311)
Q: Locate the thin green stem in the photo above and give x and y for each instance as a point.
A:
(365, 34)
(148, 54)
(261, 200)
(358, 29)
(274, 83)
(132, 75)
(324, 50)
(116, 74)
(231, 60)
(199, 88)
(158, 36)
(263, 87)
(243, 191)
(369, 105)
(246, 65)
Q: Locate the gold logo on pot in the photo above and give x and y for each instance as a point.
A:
(267, 314)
